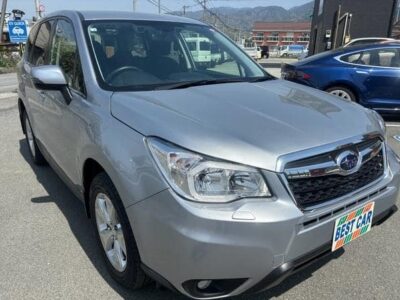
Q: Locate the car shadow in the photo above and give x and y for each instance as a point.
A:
(81, 227)
(74, 212)
(295, 278)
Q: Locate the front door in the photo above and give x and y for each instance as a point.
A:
(62, 118)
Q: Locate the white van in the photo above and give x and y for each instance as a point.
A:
(291, 50)
(254, 51)
(200, 47)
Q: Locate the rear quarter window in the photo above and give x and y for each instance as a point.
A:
(359, 58)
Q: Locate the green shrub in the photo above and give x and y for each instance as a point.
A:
(8, 60)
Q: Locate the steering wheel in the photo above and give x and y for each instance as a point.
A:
(110, 77)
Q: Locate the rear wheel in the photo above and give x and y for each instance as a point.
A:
(114, 234)
(342, 92)
(34, 150)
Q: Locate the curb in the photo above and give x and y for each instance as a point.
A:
(271, 65)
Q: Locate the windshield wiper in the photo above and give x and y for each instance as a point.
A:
(186, 84)
(260, 79)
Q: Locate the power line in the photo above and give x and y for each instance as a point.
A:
(157, 3)
(203, 4)
(186, 7)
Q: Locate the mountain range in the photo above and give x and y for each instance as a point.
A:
(244, 18)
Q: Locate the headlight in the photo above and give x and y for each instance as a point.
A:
(203, 179)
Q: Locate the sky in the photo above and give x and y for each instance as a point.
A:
(142, 5)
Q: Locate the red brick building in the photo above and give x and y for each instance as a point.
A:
(281, 33)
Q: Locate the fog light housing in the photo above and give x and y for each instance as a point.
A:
(203, 284)
(204, 288)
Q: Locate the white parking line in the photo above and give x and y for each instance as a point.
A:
(7, 95)
(392, 125)
(397, 137)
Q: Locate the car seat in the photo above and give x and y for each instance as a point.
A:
(160, 64)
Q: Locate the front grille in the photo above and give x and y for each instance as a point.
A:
(316, 190)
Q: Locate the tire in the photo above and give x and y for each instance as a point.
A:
(342, 92)
(36, 155)
(123, 259)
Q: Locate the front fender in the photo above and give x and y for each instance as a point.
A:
(124, 156)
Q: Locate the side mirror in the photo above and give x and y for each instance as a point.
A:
(51, 78)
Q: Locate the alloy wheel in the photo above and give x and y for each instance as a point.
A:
(341, 93)
(110, 232)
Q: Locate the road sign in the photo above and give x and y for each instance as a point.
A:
(18, 31)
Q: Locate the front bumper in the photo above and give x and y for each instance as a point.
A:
(257, 242)
(288, 268)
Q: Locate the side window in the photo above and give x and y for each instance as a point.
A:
(395, 62)
(40, 46)
(377, 57)
(29, 44)
(64, 52)
(388, 57)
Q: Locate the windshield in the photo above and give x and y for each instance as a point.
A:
(147, 55)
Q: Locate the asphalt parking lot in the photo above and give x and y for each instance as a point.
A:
(48, 249)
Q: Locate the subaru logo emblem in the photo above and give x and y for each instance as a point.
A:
(349, 161)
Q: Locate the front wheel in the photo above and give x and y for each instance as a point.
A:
(342, 92)
(114, 233)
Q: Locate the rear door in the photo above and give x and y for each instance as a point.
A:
(383, 83)
(24, 66)
(35, 99)
(377, 74)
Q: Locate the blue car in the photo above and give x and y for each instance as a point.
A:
(367, 74)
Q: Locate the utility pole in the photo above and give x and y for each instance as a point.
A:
(37, 9)
(184, 9)
(134, 5)
(2, 18)
(159, 7)
(204, 9)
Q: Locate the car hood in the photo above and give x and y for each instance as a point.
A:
(248, 123)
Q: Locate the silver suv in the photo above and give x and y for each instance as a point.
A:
(198, 168)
